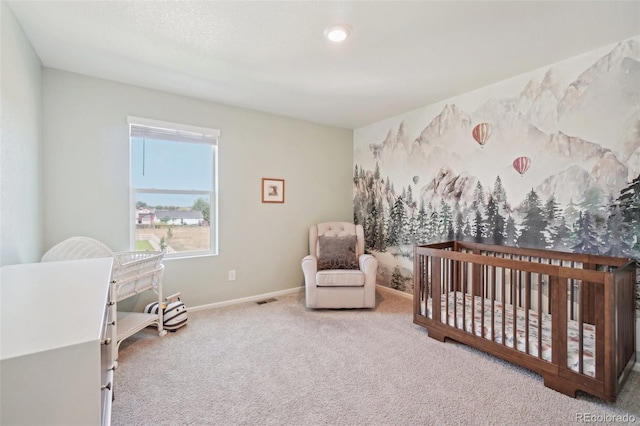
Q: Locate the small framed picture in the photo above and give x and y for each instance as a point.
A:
(272, 190)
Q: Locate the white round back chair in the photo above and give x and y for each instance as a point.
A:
(77, 248)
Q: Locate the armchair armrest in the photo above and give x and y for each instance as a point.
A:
(310, 268)
(368, 264)
(369, 267)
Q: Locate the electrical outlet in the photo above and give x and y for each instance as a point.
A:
(232, 275)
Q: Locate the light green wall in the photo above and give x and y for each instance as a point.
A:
(20, 145)
(86, 182)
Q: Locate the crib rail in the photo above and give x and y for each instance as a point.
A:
(567, 316)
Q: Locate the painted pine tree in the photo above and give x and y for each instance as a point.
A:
(617, 233)
(397, 219)
(561, 236)
(586, 237)
(511, 232)
(495, 222)
(533, 224)
(397, 280)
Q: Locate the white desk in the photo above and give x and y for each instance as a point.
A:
(53, 320)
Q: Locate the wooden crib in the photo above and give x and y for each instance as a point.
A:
(569, 317)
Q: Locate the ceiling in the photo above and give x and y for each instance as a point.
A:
(271, 55)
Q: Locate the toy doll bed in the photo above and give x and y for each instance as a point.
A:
(569, 317)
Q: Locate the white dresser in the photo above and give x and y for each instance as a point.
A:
(55, 337)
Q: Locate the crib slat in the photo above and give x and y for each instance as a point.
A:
(445, 264)
(571, 313)
(446, 291)
(476, 278)
(436, 286)
(493, 303)
(580, 330)
(514, 305)
(463, 290)
(484, 297)
(418, 283)
(527, 304)
(540, 290)
(600, 324)
(452, 286)
(425, 278)
(454, 292)
(559, 324)
(504, 304)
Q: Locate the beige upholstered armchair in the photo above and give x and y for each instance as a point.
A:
(337, 272)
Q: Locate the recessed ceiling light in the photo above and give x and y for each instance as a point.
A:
(337, 33)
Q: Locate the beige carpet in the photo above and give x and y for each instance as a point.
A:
(281, 364)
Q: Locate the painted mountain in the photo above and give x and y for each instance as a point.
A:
(568, 147)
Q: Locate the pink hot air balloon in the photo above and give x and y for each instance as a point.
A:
(521, 164)
(481, 133)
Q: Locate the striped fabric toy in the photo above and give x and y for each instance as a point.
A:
(173, 311)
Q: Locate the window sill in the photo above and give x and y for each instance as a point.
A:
(188, 256)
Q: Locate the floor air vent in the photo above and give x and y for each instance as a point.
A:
(262, 302)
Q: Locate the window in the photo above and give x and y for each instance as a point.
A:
(173, 187)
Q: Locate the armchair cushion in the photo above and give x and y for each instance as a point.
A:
(337, 252)
(343, 278)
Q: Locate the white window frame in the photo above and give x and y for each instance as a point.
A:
(177, 132)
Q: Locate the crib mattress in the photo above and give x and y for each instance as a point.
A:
(484, 330)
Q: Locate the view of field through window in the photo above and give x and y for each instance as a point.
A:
(174, 239)
(172, 228)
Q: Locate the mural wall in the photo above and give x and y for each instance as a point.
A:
(548, 159)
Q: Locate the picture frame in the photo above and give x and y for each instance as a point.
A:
(272, 190)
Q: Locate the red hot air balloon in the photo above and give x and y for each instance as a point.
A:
(481, 133)
(521, 164)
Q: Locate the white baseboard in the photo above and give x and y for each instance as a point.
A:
(394, 291)
(246, 299)
(276, 294)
